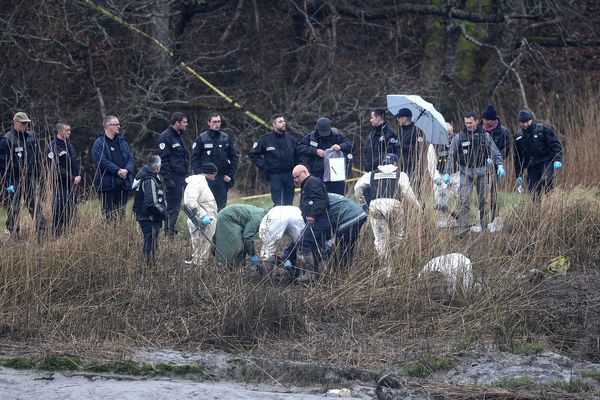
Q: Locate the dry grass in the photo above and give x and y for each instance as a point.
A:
(89, 289)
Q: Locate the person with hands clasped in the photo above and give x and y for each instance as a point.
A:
(472, 147)
(537, 150)
(115, 165)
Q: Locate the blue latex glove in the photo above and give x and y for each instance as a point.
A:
(254, 259)
(501, 171)
(287, 264)
(520, 180)
(489, 161)
(206, 220)
(365, 208)
(437, 181)
(10, 189)
(557, 165)
(447, 178)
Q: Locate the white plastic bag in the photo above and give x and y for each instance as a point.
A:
(335, 166)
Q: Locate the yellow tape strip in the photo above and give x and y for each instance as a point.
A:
(182, 64)
(193, 72)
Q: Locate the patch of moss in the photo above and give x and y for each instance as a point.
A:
(523, 382)
(54, 362)
(575, 385)
(17, 363)
(426, 366)
(595, 374)
(528, 349)
(180, 369)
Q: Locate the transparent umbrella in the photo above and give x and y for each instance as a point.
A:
(424, 115)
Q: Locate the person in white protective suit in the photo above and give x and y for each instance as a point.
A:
(443, 193)
(279, 221)
(198, 196)
(388, 187)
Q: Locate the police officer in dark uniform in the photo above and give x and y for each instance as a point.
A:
(500, 135)
(66, 173)
(217, 147)
(410, 143)
(273, 154)
(311, 151)
(149, 206)
(472, 147)
(382, 140)
(20, 173)
(314, 205)
(537, 150)
(175, 160)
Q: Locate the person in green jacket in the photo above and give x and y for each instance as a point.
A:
(237, 224)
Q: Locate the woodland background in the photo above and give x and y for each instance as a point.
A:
(301, 58)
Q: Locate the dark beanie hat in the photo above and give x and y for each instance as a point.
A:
(404, 112)
(489, 113)
(208, 168)
(525, 115)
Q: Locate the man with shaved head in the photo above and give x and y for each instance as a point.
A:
(314, 205)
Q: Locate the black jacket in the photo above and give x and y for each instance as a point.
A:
(501, 136)
(63, 161)
(148, 202)
(314, 201)
(536, 145)
(274, 153)
(19, 157)
(378, 145)
(175, 158)
(217, 147)
(306, 151)
(103, 154)
(409, 139)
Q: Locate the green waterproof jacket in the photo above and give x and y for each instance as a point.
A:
(236, 226)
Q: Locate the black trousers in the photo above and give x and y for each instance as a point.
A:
(28, 190)
(174, 196)
(113, 203)
(150, 232)
(219, 189)
(540, 179)
(64, 207)
(346, 242)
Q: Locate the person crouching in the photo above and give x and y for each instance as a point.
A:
(149, 206)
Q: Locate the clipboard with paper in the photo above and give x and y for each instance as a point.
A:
(335, 166)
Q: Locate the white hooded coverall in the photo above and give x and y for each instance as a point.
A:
(197, 195)
(385, 213)
(279, 221)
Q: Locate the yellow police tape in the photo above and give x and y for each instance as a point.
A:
(193, 72)
(182, 64)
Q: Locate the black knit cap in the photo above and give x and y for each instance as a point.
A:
(525, 115)
(208, 168)
(490, 113)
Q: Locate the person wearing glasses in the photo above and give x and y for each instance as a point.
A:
(314, 205)
(175, 167)
(217, 147)
(20, 174)
(115, 166)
